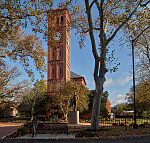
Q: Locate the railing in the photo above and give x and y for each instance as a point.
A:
(124, 122)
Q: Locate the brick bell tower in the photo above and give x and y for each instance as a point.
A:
(58, 48)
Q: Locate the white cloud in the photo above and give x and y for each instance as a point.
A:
(115, 91)
(118, 99)
(119, 82)
(108, 82)
(123, 81)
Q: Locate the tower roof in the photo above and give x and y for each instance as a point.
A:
(58, 10)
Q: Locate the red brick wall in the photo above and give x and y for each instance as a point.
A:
(58, 50)
(80, 81)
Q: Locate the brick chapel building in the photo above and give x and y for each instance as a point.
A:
(59, 22)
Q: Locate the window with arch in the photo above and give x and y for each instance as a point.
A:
(57, 20)
(61, 71)
(53, 71)
(60, 53)
(53, 53)
(62, 19)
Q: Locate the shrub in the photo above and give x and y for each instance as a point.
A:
(54, 118)
(18, 114)
(22, 130)
(121, 123)
(42, 118)
(114, 124)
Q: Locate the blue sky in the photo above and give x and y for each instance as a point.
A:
(117, 84)
(82, 62)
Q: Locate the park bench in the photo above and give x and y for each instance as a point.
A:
(54, 127)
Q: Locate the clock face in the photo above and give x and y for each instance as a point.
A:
(57, 36)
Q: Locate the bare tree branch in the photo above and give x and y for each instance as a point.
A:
(123, 23)
(92, 4)
(136, 38)
(145, 3)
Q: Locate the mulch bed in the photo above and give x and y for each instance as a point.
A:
(88, 133)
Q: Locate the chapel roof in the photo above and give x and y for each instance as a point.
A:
(74, 75)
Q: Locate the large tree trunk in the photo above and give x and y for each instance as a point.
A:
(96, 107)
(100, 69)
(97, 101)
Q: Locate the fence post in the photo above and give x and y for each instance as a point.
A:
(125, 122)
(67, 130)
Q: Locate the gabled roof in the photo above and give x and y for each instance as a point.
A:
(74, 75)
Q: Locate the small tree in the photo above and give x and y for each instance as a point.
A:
(33, 98)
(64, 95)
(142, 97)
(103, 110)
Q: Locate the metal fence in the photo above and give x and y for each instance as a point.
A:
(124, 122)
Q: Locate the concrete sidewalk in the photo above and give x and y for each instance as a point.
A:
(47, 136)
(122, 140)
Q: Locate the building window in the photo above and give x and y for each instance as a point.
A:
(57, 20)
(53, 53)
(53, 72)
(60, 53)
(62, 20)
(61, 71)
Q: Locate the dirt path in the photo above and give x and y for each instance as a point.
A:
(7, 128)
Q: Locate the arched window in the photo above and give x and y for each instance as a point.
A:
(60, 53)
(53, 53)
(62, 20)
(53, 71)
(57, 20)
(61, 71)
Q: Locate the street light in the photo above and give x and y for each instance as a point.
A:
(135, 125)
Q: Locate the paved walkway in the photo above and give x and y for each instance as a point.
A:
(123, 140)
(7, 128)
(48, 136)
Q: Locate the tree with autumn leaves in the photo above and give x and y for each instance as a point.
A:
(16, 45)
(64, 93)
(103, 19)
(10, 88)
(35, 100)
(112, 17)
(142, 98)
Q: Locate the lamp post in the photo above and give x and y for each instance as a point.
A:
(135, 125)
(133, 42)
